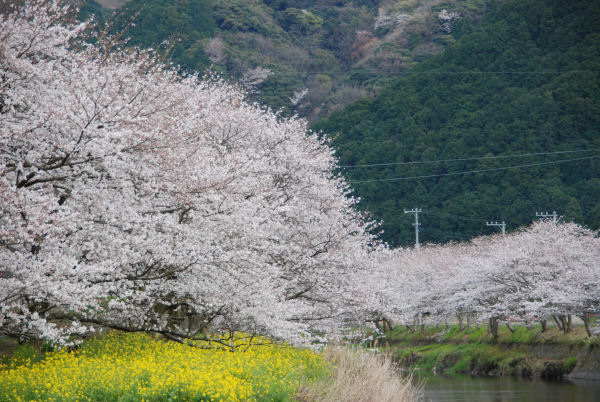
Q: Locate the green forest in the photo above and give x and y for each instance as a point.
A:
(526, 80)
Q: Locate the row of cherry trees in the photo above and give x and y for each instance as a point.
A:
(546, 271)
(137, 199)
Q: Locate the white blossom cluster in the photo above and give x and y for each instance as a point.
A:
(446, 19)
(136, 199)
(544, 271)
(215, 50)
(298, 96)
(384, 20)
(252, 78)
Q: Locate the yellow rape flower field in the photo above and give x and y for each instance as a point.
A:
(132, 367)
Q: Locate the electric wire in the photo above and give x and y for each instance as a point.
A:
(398, 220)
(468, 159)
(402, 73)
(425, 229)
(460, 217)
(385, 223)
(472, 171)
(449, 234)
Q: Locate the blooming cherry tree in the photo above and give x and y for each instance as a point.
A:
(137, 199)
(545, 270)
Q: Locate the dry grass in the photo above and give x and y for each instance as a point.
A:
(360, 376)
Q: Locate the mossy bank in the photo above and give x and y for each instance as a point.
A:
(522, 352)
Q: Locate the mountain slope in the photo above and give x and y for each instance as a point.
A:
(525, 80)
(308, 57)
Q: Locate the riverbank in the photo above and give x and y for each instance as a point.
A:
(522, 352)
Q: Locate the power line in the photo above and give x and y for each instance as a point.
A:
(548, 72)
(449, 234)
(398, 219)
(472, 171)
(401, 73)
(465, 218)
(468, 159)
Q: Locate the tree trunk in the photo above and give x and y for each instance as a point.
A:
(566, 322)
(509, 327)
(558, 322)
(409, 328)
(544, 324)
(389, 324)
(460, 321)
(493, 327)
(586, 321)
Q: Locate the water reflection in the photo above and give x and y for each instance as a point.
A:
(439, 388)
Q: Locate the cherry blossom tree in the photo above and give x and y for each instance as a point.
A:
(542, 271)
(137, 199)
(552, 271)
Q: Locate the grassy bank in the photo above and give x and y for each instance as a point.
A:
(526, 352)
(133, 367)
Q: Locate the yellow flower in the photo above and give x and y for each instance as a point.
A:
(140, 365)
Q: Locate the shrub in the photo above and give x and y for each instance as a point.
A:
(569, 364)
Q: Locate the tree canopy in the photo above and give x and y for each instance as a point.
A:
(137, 199)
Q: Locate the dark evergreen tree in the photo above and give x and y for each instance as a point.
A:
(525, 80)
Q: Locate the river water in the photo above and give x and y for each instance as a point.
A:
(439, 388)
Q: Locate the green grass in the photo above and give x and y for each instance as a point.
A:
(469, 358)
(522, 335)
(474, 350)
(569, 364)
(477, 334)
(453, 332)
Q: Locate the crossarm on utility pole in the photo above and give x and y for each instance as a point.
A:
(554, 215)
(501, 225)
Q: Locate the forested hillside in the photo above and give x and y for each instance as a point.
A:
(438, 80)
(526, 80)
(307, 57)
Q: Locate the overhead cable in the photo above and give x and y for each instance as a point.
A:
(468, 159)
(465, 218)
(401, 73)
(472, 171)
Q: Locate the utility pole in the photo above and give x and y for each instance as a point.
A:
(416, 225)
(502, 225)
(547, 215)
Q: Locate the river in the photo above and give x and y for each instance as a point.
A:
(440, 388)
